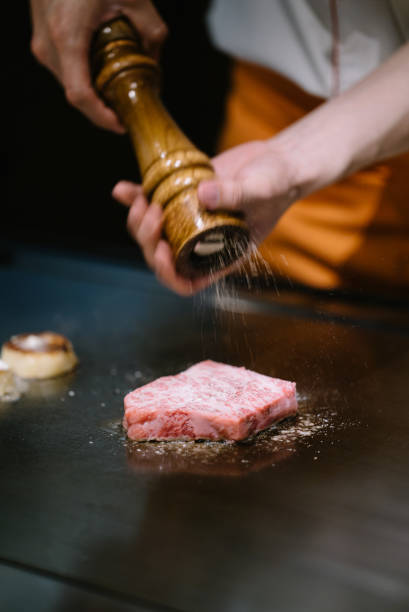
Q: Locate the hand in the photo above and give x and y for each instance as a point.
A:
(256, 179)
(145, 226)
(250, 178)
(62, 32)
(263, 178)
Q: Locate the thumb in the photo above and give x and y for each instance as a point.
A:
(227, 194)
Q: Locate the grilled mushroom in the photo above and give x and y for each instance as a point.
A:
(40, 355)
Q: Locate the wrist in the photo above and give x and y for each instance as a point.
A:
(314, 150)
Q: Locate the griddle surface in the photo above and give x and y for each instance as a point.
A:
(313, 516)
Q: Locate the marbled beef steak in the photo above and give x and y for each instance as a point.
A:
(211, 401)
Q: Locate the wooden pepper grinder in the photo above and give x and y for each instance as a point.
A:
(171, 167)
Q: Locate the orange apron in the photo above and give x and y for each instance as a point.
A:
(351, 235)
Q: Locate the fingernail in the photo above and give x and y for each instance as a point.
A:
(209, 194)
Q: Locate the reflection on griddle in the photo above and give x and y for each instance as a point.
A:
(268, 448)
(49, 387)
(39, 389)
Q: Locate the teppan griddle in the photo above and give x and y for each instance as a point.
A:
(312, 517)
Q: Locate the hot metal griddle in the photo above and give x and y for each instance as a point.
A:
(312, 516)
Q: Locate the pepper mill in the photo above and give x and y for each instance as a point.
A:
(171, 166)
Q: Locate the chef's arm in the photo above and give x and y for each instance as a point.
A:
(365, 125)
(362, 126)
(62, 32)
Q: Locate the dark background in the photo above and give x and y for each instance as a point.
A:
(61, 169)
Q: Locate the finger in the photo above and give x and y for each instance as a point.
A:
(227, 194)
(79, 92)
(166, 273)
(150, 26)
(135, 216)
(83, 97)
(102, 116)
(150, 231)
(125, 192)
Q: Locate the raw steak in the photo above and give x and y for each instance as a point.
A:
(208, 401)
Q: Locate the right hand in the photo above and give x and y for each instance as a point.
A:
(62, 32)
(254, 178)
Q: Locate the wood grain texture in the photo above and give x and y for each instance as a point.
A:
(171, 166)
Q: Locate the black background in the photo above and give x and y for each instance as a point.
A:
(61, 169)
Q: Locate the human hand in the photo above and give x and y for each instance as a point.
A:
(251, 178)
(347, 133)
(62, 32)
(255, 179)
(263, 178)
(144, 224)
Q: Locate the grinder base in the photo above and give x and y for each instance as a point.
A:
(187, 225)
(192, 265)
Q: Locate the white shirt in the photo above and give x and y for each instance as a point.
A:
(325, 46)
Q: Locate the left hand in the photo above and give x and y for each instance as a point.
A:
(62, 32)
